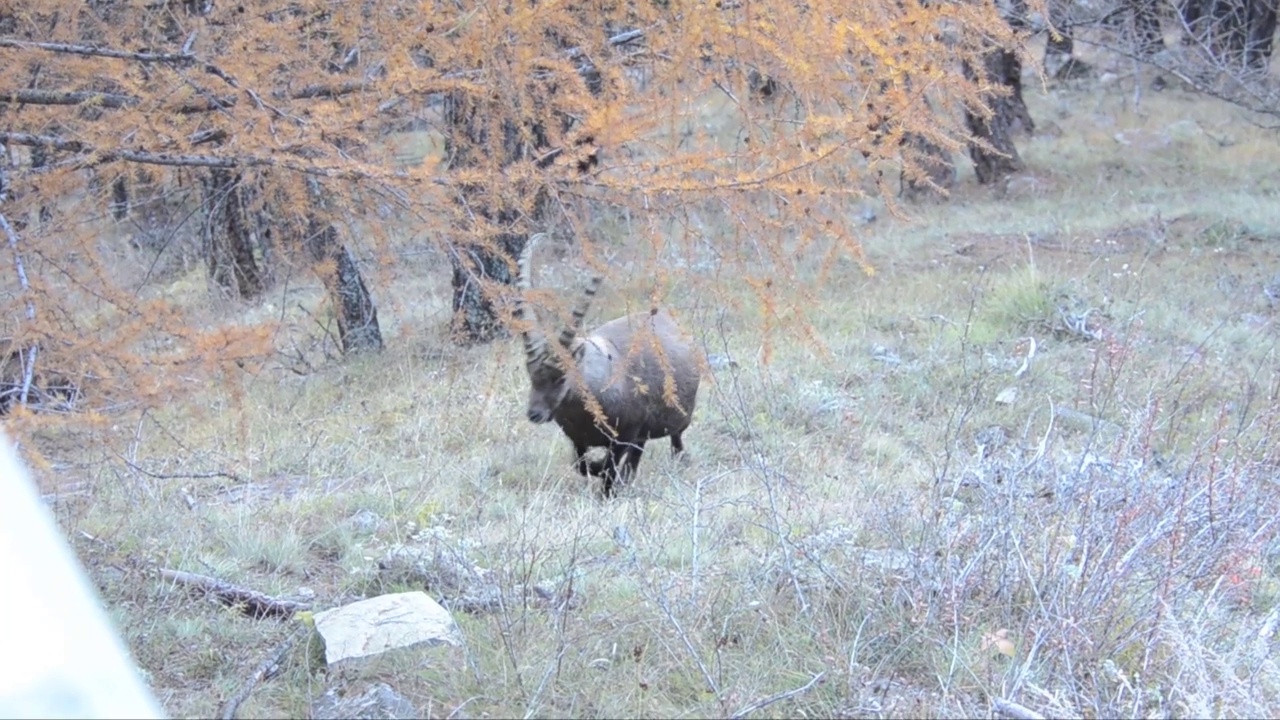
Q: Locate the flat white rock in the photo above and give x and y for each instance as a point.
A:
(382, 623)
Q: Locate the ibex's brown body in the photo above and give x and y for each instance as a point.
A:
(641, 370)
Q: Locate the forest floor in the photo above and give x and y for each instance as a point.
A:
(1033, 458)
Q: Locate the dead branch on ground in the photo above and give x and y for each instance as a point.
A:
(778, 697)
(253, 603)
(267, 669)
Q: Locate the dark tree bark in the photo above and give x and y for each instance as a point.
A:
(1237, 33)
(933, 170)
(1008, 115)
(1261, 33)
(358, 329)
(1058, 49)
(1228, 25)
(1148, 35)
(1191, 13)
(475, 265)
(119, 198)
(40, 157)
(229, 232)
(475, 313)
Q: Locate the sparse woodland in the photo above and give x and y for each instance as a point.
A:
(989, 291)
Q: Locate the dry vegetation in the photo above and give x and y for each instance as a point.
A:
(903, 504)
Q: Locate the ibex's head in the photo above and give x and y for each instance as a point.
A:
(549, 384)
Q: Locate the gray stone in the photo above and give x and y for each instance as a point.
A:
(377, 702)
(382, 623)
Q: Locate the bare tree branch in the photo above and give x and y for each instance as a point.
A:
(265, 670)
(778, 697)
(113, 101)
(50, 97)
(254, 603)
(95, 51)
(49, 141)
(325, 91)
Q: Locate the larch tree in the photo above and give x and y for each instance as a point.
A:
(737, 131)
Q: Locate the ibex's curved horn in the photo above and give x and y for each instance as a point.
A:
(579, 312)
(535, 345)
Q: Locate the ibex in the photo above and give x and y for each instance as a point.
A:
(632, 380)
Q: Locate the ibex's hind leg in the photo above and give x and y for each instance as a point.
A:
(677, 444)
(677, 448)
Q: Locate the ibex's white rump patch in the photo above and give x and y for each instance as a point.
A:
(632, 380)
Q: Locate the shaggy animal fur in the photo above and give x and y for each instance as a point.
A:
(632, 380)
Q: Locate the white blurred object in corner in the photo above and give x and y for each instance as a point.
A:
(61, 656)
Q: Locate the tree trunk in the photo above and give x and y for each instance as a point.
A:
(1008, 114)
(506, 221)
(119, 198)
(228, 236)
(475, 317)
(40, 157)
(927, 168)
(1228, 27)
(1059, 51)
(1238, 33)
(1261, 33)
(1148, 36)
(1191, 13)
(358, 329)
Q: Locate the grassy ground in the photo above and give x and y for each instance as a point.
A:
(933, 514)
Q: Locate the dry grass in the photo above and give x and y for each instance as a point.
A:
(901, 510)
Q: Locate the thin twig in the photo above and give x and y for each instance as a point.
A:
(100, 156)
(81, 97)
(693, 651)
(95, 51)
(267, 669)
(186, 476)
(778, 697)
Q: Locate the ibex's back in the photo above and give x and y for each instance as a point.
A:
(633, 379)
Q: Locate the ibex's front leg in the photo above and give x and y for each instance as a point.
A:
(621, 464)
(585, 469)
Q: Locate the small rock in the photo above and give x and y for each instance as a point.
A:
(887, 559)
(1143, 139)
(377, 702)
(885, 355)
(364, 522)
(1271, 290)
(719, 361)
(1048, 129)
(1184, 130)
(990, 439)
(1026, 184)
